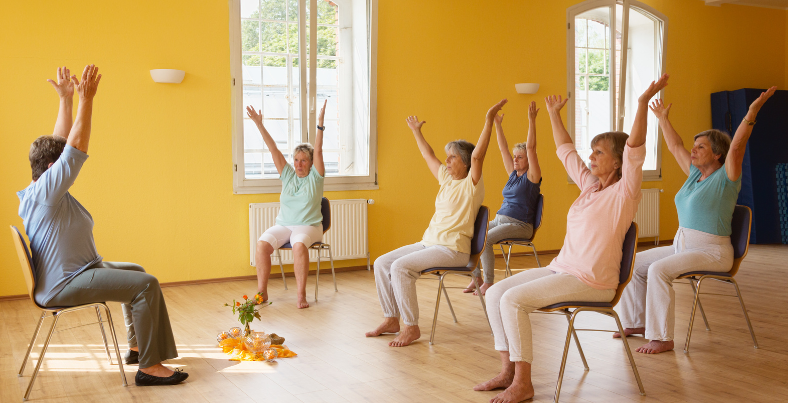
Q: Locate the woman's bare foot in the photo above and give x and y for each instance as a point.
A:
(484, 288)
(407, 335)
(515, 393)
(630, 331)
(302, 302)
(656, 347)
(158, 370)
(503, 380)
(389, 325)
(472, 286)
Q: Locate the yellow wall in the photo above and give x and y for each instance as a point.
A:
(158, 182)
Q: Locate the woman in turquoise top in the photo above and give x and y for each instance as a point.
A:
(705, 208)
(300, 219)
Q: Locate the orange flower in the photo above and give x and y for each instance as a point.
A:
(245, 297)
(237, 304)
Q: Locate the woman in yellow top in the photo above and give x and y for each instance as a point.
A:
(447, 241)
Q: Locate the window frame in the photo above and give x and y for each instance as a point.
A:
(616, 105)
(242, 185)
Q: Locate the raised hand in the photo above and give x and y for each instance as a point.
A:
(322, 113)
(660, 110)
(758, 103)
(256, 116)
(499, 119)
(63, 86)
(555, 103)
(532, 111)
(495, 109)
(413, 122)
(89, 85)
(654, 88)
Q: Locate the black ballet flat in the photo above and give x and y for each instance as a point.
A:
(143, 379)
(131, 357)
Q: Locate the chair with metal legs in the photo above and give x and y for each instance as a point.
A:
(325, 209)
(522, 241)
(740, 238)
(572, 308)
(477, 247)
(27, 269)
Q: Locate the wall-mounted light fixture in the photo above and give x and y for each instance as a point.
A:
(526, 88)
(167, 75)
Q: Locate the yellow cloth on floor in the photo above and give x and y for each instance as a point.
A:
(238, 352)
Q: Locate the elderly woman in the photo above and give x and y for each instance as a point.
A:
(516, 217)
(300, 218)
(705, 207)
(68, 269)
(447, 241)
(587, 267)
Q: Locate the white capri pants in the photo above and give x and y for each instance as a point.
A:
(649, 300)
(510, 301)
(279, 235)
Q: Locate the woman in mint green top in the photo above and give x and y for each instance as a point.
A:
(300, 219)
(705, 207)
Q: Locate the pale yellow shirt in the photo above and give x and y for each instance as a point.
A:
(456, 206)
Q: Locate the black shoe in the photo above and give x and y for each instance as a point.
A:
(131, 357)
(143, 379)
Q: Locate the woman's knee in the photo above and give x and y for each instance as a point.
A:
(661, 271)
(264, 248)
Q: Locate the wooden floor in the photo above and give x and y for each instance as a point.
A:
(336, 363)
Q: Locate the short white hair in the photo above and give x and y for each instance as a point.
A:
(305, 148)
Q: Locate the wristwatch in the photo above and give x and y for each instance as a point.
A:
(323, 128)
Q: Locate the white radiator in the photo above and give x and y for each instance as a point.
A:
(647, 216)
(348, 235)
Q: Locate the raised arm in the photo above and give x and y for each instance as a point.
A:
(480, 151)
(317, 161)
(79, 135)
(534, 172)
(65, 90)
(637, 137)
(279, 159)
(554, 106)
(739, 143)
(503, 145)
(433, 163)
(672, 139)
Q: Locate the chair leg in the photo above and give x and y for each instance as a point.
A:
(333, 274)
(629, 353)
(577, 343)
(317, 274)
(448, 301)
(481, 298)
(437, 305)
(117, 349)
(281, 268)
(744, 310)
(32, 342)
(700, 305)
(41, 356)
(536, 256)
(692, 315)
(509, 259)
(103, 334)
(569, 332)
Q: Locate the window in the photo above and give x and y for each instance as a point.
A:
(267, 69)
(606, 78)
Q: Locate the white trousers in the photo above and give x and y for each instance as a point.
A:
(510, 301)
(649, 300)
(279, 235)
(396, 273)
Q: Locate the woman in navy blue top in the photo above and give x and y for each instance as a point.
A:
(515, 219)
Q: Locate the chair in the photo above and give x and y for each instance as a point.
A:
(605, 308)
(477, 247)
(740, 238)
(522, 241)
(325, 209)
(27, 269)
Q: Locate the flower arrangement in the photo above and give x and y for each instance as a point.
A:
(248, 310)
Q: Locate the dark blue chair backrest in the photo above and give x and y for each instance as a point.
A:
(325, 209)
(538, 216)
(480, 230)
(740, 227)
(628, 249)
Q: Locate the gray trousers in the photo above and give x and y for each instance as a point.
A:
(144, 310)
(396, 273)
(501, 227)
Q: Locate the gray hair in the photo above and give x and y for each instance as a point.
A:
(43, 151)
(720, 142)
(520, 146)
(305, 148)
(463, 149)
(616, 141)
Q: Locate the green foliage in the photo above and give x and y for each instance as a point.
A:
(597, 64)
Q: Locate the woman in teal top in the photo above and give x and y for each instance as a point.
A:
(300, 220)
(705, 207)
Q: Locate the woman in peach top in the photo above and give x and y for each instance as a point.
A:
(588, 265)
